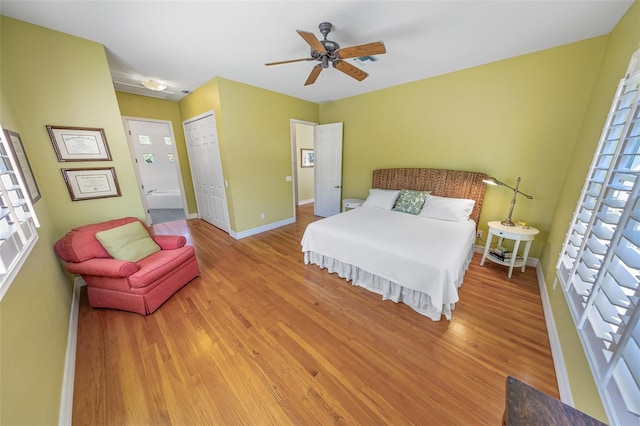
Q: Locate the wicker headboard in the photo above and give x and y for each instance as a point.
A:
(441, 182)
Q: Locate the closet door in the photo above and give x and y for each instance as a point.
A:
(206, 169)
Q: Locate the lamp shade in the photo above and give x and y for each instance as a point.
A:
(491, 181)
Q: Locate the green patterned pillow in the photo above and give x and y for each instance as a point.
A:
(410, 201)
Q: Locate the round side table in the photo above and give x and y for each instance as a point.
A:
(515, 233)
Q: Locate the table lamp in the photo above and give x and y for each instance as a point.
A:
(494, 181)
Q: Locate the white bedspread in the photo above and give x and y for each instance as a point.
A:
(416, 253)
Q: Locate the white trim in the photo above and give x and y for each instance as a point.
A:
(66, 398)
(193, 216)
(126, 119)
(303, 202)
(260, 229)
(198, 117)
(13, 272)
(554, 341)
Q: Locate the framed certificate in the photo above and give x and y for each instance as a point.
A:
(79, 143)
(87, 184)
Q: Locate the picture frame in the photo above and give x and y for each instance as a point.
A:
(79, 143)
(24, 167)
(307, 158)
(91, 183)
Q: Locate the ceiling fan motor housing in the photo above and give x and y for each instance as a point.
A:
(329, 52)
(329, 46)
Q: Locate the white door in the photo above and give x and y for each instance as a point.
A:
(206, 169)
(157, 166)
(328, 169)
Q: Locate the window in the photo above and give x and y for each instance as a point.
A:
(17, 219)
(599, 266)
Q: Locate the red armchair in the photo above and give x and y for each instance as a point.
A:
(140, 286)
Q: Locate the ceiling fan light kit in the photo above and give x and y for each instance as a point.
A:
(327, 51)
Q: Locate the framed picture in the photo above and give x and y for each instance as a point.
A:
(79, 143)
(306, 158)
(15, 143)
(88, 184)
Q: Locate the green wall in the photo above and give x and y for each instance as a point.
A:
(516, 117)
(76, 90)
(255, 146)
(34, 320)
(537, 116)
(51, 78)
(160, 109)
(621, 43)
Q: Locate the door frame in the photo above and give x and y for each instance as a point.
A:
(294, 158)
(185, 122)
(132, 153)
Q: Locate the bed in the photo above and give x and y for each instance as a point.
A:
(417, 259)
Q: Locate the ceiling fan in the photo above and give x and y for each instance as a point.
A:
(327, 51)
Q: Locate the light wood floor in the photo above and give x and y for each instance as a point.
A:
(260, 338)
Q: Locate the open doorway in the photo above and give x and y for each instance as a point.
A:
(152, 147)
(302, 136)
(316, 152)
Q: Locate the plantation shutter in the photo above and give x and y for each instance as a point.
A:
(17, 222)
(599, 266)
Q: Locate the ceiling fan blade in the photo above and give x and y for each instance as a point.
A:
(312, 41)
(350, 70)
(375, 48)
(315, 72)
(289, 61)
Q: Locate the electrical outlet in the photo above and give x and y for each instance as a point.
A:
(262, 216)
(479, 233)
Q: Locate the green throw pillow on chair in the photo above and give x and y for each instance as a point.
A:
(130, 242)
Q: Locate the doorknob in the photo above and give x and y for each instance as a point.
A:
(337, 187)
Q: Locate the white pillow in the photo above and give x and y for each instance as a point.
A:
(382, 198)
(452, 209)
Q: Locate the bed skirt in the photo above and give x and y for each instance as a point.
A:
(416, 300)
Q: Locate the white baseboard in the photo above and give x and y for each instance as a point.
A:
(554, 340)
(66, 398)
(259, 229)
(303, 202)
(192, 216)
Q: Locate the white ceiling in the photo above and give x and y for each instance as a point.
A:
(187, 43)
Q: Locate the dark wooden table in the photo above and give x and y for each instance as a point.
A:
(528, 406)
